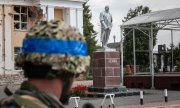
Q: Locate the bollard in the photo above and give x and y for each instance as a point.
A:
(165, 95)
(141, 98)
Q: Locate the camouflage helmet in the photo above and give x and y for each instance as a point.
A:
(56, 44)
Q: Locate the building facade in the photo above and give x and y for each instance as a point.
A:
(17, 16)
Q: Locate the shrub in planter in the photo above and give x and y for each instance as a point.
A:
(79, 90)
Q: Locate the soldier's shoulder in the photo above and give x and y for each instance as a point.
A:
(8, 102)
(17, 101)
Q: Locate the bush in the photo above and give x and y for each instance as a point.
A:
(178, 65)
(79, 90)
(89, 77)
(127, 74)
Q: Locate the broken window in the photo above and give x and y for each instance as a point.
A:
(20, 17)
(16, 25)
(16, 9)
(24, 26)
(17, 50)
(23, 18)
(16, 17)
(24, 10)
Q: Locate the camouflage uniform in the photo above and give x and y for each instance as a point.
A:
(54, 44)
(28, 96)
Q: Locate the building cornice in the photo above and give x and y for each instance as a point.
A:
(76, 0)
(19, 2)
(50, 3)
(33, 2)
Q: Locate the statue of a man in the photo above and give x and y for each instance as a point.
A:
(106, 25)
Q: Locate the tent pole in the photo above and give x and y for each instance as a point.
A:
(151, 57)
(172, 57)
(150, 50)
(122, 70)
(134, 50)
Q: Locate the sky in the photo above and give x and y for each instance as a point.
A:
(119, 9)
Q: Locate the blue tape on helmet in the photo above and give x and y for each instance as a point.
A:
(53, 46)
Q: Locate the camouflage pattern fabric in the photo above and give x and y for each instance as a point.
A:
(28, 96)
(60, 31)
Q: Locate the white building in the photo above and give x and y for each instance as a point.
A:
(16, 17)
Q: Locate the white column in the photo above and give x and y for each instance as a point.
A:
(44, 8)
(79, 20)
(50, 13)
(66, 15)
(155, 60)
(8, 48)
(162, 62)
(72, 17)
(1, 38)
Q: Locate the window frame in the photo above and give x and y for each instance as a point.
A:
(20, 20)
(17, 50)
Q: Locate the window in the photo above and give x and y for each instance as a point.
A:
(16, 51)
(20, 17)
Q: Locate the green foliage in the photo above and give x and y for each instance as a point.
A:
(177, 56)
(127, 74)
(89, 32)
(142, 40)
(89, 77)
(178, 64)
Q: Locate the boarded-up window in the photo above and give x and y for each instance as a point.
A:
(58, 14)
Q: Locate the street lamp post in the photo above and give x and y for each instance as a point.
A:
(114, 38)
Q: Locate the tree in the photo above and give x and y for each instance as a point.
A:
(89, 32)
(168, 57)
(142, 40)
(177, 56)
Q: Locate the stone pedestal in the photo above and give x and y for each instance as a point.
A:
(106, 69)
(106, 72)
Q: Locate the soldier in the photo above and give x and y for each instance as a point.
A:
(52, 55)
